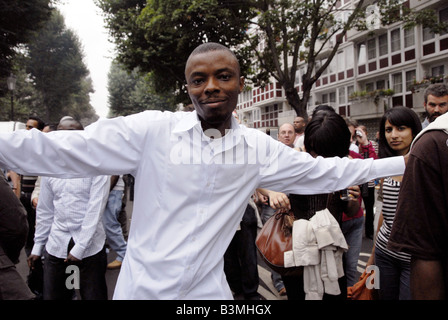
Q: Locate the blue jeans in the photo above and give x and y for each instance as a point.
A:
(395, 277)
(352, 230)
(112, 226)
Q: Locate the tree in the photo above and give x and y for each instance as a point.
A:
(57, 69)
(132, 92)
(297, 31)
(157, 36)
(18, 21)
(293, 31)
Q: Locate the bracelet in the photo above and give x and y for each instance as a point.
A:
(14, 188)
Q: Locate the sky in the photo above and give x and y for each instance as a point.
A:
(85, 19)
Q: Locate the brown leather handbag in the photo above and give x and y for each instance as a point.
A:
(274, 238)
(359, 290)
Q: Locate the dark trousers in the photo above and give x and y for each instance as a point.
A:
(92, 280)
(25, 199)
(240, 259)
(369, 203)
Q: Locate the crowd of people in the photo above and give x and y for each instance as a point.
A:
(204, 184)
(68, 222)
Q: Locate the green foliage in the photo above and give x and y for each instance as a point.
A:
(133, 92)
(52, 79)
(57, 70)
(158, 36)
(18, 21)
(395, 11)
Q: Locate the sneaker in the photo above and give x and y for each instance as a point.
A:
(114, 265)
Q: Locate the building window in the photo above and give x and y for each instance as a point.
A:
(437, 71)
(409, 38)
(383, 46)
(410, 78)
(443, 17)
(342, 99)
(427, 34)
(397, 80)
(257, 114)
(381, 84)
(395, 41)
(332, 97)
(371, 49)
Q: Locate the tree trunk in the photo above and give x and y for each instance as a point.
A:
(298, 104)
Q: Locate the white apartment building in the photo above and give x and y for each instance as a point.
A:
(356, 82)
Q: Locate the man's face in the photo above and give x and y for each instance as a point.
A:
(436, 106)
(213, 83)
(299, 124)
(30, 124)
(286, 134)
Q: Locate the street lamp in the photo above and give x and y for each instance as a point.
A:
(11, 81)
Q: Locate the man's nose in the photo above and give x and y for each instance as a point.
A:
(211, 85)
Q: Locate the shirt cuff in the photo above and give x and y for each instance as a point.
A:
(37, 249)
(389, 167)
(77, 251)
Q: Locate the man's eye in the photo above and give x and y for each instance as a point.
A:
(197, 81)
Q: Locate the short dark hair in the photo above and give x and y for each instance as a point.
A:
(327, 135)
(397, 116)
(40, 122)
(322, 107)
(437, 90)
(213, 46)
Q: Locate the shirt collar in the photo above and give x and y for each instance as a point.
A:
(191, 120)
(187, 122)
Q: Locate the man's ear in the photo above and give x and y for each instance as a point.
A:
(242, 81)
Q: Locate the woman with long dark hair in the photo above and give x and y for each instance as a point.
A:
(398, 127)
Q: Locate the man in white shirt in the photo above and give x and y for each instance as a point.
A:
(69, 226)
(194, 174)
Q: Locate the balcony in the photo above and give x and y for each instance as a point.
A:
(367, 105)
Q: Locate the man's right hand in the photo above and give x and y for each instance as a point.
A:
(31, 259)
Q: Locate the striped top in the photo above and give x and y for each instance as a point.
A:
(391, 189)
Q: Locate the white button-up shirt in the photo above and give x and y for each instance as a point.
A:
(190, 191)
(71, 208)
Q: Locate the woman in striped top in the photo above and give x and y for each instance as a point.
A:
(398, 128)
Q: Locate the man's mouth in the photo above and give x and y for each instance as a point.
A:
(212, 103)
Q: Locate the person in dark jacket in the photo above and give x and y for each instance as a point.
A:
(13, 235)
